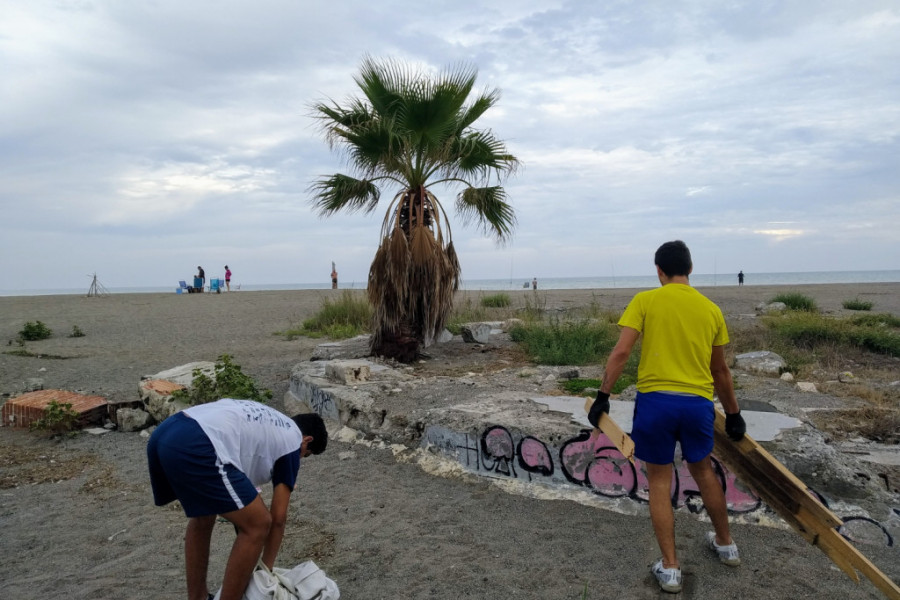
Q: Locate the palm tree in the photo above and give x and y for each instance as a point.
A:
(414, 131)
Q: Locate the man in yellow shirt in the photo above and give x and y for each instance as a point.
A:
(682, 363)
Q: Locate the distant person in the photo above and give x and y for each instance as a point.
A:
(534, 284)
(227, 278)
(200, 278)
(211, 457)
(334, 285)
(683, 337)
(741, 278)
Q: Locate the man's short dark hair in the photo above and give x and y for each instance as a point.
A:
(674, 258)
(312, 424)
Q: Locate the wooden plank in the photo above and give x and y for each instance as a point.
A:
(621, 440)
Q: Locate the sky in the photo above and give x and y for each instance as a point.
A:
(141, 139)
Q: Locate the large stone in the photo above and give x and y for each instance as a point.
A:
(763, 361)
(476, 333)
(132, 419)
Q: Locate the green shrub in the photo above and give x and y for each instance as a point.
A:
(566, 343)
(857, 304)
(35, 331)
(795, 301)
(229, 382)
(496, 301)
(348, 316)
(876, 320)
(869, 332)
(59, 418)
(76, 332)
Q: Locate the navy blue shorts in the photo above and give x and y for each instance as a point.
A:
(661, 419)
(184, 467)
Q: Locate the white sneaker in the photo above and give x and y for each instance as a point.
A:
(728, 555)
(669, 579)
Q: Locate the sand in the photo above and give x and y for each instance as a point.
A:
(77, 519)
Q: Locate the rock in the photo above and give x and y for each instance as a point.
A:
(95, 430)
(33, 384)
(476, 333)
(764, 308)
(443, 337)
(847, 377)
(763, 361)
(569, 374)
(132, 419)
(807, 386)
(787, 376)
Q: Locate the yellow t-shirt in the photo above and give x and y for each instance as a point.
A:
(679, 326)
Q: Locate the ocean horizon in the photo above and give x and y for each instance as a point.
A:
(548, 283)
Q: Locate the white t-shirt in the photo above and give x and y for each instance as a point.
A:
(249, 435)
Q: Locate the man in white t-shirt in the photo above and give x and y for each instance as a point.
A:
(211, 457)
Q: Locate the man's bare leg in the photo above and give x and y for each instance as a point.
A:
(252, 522)
(662, 516)
(196, 555)
(713, 498)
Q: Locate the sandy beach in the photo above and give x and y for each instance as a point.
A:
(78, 521)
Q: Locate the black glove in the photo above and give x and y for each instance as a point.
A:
(600, 406)
(735, 426)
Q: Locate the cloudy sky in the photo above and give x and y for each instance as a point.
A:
(140, 139)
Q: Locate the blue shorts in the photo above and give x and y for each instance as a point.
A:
(184, 467)
(661, 419)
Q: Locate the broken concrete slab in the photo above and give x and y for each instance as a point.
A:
(156, 395)
(184, 374)
(348, 372)
(476, 333)
(358, 347)
(763, 361)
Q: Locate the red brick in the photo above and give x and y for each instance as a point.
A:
(23, 410)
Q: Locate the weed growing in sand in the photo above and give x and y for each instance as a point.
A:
(36, 330)
(589, 387)
(496, 301)
(795, 301)
(857, 304)
(229, 382)
(566, 343)
(59, 418)
(348, 316)
(76, 332)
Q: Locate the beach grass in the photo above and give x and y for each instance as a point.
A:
(796, 301)
(348, 316)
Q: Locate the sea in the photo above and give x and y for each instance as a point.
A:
(549, 283)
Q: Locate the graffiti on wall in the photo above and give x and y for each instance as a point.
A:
(593, 462)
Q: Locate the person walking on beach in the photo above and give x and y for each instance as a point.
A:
(201, 275)
(534, 284)
(682, 363)
(741, 278)
(334, 285)
(211, 457)
(227, 278)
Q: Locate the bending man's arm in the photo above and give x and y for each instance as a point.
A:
(281, 498)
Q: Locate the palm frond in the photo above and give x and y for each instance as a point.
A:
(341, 192)
(488, 207)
